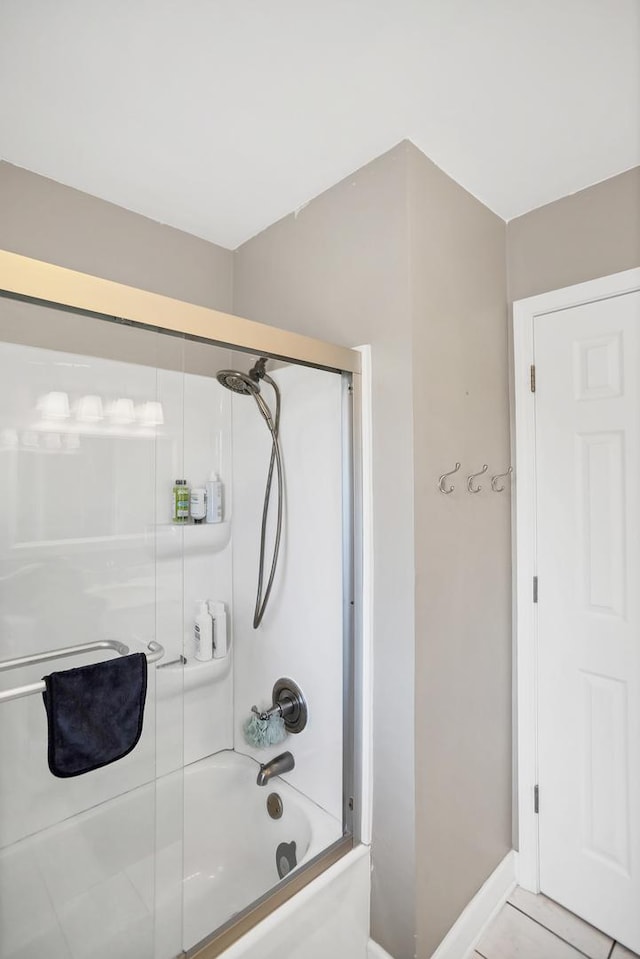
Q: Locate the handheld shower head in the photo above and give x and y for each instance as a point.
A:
(238, 382)
(248, 384)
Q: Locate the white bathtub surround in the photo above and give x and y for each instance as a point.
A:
(192, 563)
(196, 697)
(488, 901)
(90, 882)
(329, 917)
(301, 633)
(112, 565)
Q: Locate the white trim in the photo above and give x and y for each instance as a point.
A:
(524, 314)
(617, 284)
(525, 569)
(366, 664)
(481, 911)
(374, 951)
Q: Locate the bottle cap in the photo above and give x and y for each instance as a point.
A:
(181, 482)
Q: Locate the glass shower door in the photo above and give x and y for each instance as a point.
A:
(211, 821)
(87, 860)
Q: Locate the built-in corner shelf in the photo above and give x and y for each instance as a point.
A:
(172, 539)
(174, 677)
(165, 539)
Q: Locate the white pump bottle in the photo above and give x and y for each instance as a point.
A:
(203, 633)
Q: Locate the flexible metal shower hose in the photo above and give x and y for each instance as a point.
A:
(276, 459)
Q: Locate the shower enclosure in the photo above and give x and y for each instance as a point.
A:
(108, 397)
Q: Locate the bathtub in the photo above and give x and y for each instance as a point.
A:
(124, 880)
(231, 842)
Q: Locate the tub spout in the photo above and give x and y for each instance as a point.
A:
(283, 763)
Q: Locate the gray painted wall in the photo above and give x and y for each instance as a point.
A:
(399, 256)
(463, 547)
(592, 233)
(340, 270)
(48, 221)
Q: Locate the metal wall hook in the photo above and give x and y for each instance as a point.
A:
(443, 478)
(494, 480)
(471, 478)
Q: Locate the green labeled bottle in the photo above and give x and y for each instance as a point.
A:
(181, 497)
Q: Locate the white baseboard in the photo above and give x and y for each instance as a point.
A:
(374, 951)
(468, 928)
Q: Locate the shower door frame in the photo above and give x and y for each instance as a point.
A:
(49, 285)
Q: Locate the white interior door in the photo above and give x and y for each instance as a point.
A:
(588, 540)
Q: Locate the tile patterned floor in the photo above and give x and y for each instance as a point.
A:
(534, 927)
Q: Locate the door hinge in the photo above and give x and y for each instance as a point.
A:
(535, 589)
(536, 799)
(532, 373)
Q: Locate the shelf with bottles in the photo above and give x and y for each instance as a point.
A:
(182, 675)
(175, 538)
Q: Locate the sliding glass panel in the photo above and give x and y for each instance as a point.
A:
(189, 502)
(88, 842)
(245, 837)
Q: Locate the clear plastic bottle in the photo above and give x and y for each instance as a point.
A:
(214, 499)
(181, 498)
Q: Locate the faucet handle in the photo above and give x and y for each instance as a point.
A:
(266, 714)
(288, 703)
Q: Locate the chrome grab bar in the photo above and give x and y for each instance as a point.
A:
(155, 653)
(66, 651)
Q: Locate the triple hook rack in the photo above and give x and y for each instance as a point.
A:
(471, 486)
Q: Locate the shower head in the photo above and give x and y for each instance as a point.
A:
(246, 383)
(238, 382)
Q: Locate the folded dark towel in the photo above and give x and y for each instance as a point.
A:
(94, 713)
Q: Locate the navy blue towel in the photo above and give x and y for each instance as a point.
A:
(94, 713)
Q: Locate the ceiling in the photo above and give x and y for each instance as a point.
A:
(221, 116)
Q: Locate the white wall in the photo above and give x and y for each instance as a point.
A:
(301, 633)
